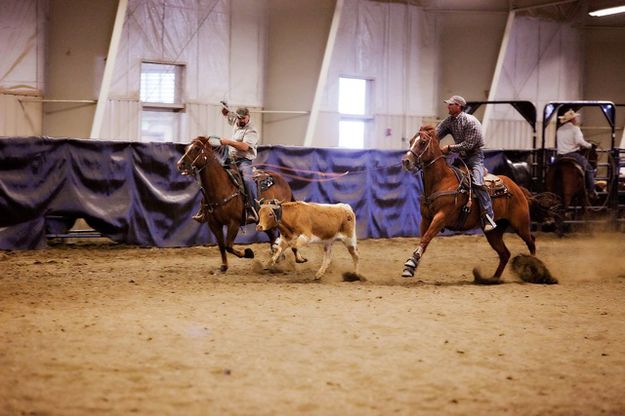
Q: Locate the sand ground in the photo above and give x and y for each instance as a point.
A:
(90, 328)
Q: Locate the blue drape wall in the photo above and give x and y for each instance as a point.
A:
(132, 193)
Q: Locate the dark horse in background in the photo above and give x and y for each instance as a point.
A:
(445, 197)
(224, 196)
(566, 179)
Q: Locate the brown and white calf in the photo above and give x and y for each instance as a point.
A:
(302, 223)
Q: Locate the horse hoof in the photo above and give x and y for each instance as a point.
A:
(223, 268)
(407, 273)
(301, 260)
(248, 253)
(479, 280)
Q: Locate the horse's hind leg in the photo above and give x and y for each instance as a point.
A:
(495, 239)
(526, 235)
(298, 257)
(523, 230)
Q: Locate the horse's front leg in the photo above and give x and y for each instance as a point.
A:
(431, 230)
(218, 232)
(233, 230)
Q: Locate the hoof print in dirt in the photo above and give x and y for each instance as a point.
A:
(353, 277)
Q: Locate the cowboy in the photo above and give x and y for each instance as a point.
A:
(242, 152)
(466, 131)
(570, 141)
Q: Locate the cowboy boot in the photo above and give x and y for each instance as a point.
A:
(201, 214)
(488, 224)
(251, 215)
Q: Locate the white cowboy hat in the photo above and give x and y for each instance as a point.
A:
(568, 116)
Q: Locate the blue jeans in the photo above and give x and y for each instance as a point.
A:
(245, 166)
(475, 163)
(584, 163)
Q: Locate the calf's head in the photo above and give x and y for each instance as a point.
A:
(269, 215)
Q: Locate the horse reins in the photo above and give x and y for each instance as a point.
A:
(210, 206)
(429, 199)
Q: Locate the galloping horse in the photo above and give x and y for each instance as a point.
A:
(566, 178)
(445, 197)
(224, 199)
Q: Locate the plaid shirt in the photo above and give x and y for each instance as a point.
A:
(466, 131)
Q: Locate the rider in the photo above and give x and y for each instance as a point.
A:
(466, 131)
(242, 152)
(570, 140)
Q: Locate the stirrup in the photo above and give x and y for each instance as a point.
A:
(489, 224)
(200, 216)
(251, 215)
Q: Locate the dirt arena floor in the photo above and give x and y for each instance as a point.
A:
(89, 328)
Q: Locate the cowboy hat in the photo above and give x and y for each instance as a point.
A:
(456, 99)
(568, 116)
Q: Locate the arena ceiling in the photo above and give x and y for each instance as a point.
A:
(563, 10)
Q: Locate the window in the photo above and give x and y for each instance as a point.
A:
(354, 96)
(161, 98)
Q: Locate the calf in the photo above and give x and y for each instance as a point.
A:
(301, 223)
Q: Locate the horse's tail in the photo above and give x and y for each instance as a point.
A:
(544, 206)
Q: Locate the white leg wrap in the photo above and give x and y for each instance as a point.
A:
(410, 266)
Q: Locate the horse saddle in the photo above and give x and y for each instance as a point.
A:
(263, 179)
(495, 186)
(572, 161)
(235, 176)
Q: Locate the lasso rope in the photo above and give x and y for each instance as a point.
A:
(325, 176)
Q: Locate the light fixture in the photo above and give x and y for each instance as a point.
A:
(608, 11)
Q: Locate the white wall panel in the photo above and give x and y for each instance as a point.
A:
(393, 45)
(542, 64)
(22, 29)
(221, 43)
(121, 120)
(20, 118)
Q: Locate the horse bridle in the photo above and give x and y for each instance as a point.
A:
(202, 154)
(419, 161)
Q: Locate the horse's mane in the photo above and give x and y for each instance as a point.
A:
(220, 152)
(429, 129)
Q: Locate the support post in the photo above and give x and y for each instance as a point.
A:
(96, 127)
(498, 68)
(323, 74)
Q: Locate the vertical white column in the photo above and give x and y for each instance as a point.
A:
(498, 68)
(323, 74)
(96, 127)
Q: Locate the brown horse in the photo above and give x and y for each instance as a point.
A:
(566, 179)
(224, 199)
(445, 198)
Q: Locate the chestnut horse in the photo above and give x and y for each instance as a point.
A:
(566, 178)
(224, 199)
(445, 198)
